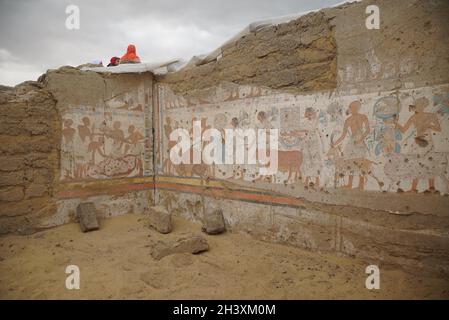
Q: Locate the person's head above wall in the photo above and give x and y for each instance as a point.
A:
(130, 56)
(115, 61)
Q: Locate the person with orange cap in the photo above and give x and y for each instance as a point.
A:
(130, 55)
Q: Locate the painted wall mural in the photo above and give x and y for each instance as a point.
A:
(103, 142)
(394, 141)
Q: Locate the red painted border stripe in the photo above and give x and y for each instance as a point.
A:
(250, 196)
(259, 197)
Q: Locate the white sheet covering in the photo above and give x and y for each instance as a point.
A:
(178, 64)
(133, 67)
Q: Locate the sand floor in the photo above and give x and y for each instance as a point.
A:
(115, 263)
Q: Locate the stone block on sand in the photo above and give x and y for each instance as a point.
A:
(160, 219)
(87, 215)
(213, 222)
(192, 244)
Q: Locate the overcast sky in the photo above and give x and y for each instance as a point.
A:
(34, 37)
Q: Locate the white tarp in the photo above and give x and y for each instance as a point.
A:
(178, 64)
(132, 67)
(252, 27)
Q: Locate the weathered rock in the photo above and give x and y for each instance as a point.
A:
(87, 215)
(11, 194)
(6, 88)
(160, 219)
(269, 57)
(29, 131)
(193, 244)
(213, 222)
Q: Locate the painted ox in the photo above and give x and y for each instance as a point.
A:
(288, 162)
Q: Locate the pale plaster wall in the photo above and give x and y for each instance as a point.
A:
(106, 138)
(387, 70)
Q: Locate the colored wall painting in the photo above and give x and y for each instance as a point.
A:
(102, 143)
(394, 141)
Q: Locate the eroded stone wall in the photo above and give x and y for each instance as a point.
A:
(106, 141)
(298, 56)
(375, 187)
(68, 132)
(29, 158)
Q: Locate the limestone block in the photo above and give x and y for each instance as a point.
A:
(87, 215)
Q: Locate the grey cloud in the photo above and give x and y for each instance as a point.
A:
(34, 38)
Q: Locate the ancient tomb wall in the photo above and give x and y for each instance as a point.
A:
(84, 136)
(75, 136)
(106, 142)
(344, 168)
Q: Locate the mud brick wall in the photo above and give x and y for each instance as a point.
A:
(298, 56)
(332, 49)
(29, 137)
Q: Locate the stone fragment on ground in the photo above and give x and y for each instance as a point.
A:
(192, 244)
(213, 222)
(160, 219)
(87, 215)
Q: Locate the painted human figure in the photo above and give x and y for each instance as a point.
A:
(168, 128)
(133, 141)
(356, 126)
(311, 148)
(67, 149)
(388, 136)
(68, 132)
(82, 154)
(97, 146)
(262, 123)
(424, 124)
(238, 169)
(220, 123)
(118, 138)
(201, 167)
(134, 145)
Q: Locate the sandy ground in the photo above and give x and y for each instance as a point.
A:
(115, 263)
